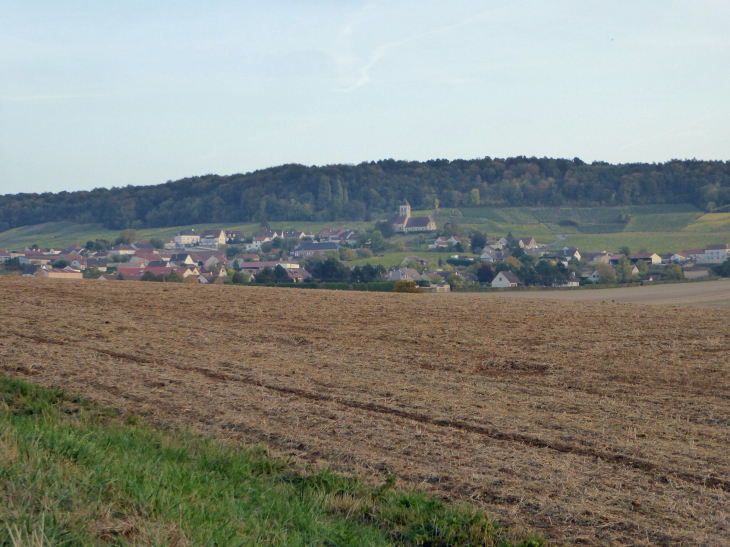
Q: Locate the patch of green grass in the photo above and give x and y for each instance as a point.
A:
(507, 215)
(658, 242)
(660, 222)
(711, 222)
(63, 234)
(72, 473)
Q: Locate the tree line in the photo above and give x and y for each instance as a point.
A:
(365, 191)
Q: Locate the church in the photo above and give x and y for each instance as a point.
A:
(403, 221)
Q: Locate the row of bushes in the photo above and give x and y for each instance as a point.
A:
(382, 286)
(378, 286)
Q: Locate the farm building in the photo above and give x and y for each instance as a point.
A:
(60, 274)
(649, 258)
(308, 249)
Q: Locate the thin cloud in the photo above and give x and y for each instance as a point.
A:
(385, 50)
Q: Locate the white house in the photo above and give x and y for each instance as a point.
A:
(256, 243)
(714, 254)
(405, 274)
(443, 242)
(596, 257)
(487, 256)
(572, 282)
(213, 237)
(569, 252)
(186, 237)
(505, 280)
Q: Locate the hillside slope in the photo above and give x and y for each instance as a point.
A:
(360, 192)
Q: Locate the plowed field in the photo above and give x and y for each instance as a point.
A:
(588, 422)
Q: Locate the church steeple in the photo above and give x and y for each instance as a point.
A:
(405, 209)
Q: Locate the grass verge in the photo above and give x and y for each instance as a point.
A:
(72, 473)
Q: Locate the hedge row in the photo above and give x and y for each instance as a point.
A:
(383, 286)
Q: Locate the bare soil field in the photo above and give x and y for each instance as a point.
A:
(704, 293)
(587, 422)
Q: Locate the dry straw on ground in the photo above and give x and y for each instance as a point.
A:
(595, 423)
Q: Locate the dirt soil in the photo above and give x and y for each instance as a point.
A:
(701, 293)
(588, 422)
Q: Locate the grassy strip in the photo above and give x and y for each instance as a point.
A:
(72, 473)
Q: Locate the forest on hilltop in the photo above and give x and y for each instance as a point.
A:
(362, 192)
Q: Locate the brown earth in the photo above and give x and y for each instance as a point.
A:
(700, 293)
(589, 423)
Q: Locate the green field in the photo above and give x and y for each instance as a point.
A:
(661, 223)
(63, 234)
(657, 242)
(72, 473)
(711, 222)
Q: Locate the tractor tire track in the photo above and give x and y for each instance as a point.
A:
(526, 440)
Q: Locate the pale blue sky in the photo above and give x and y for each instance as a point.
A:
(101, 94)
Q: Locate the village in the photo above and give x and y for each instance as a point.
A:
(443, 263)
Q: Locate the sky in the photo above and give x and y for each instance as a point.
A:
(100, 94)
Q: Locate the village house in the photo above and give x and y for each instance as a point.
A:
(494, 256)
(234, 236)
(403, 222)
(305, 250)
(714, 254)
(185, 238)
(505, 280)
(443, 242)
(569, 252)
(346, 237)
(527, 242)
(326, 233)
(213, 238)
(208, 258)
(271, 234)
(597, 257)
(182, 259)
(38, 259)
(691, 255)
(404, 274)
(98, 263)
(298, 234)
(256, 243)
(572, 282)
(414, 259)
(122, 250)
(145, 258)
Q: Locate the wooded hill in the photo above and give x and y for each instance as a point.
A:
(364, 191)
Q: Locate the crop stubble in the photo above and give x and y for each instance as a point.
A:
(587, 422)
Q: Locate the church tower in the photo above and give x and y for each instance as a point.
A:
(405, 209)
